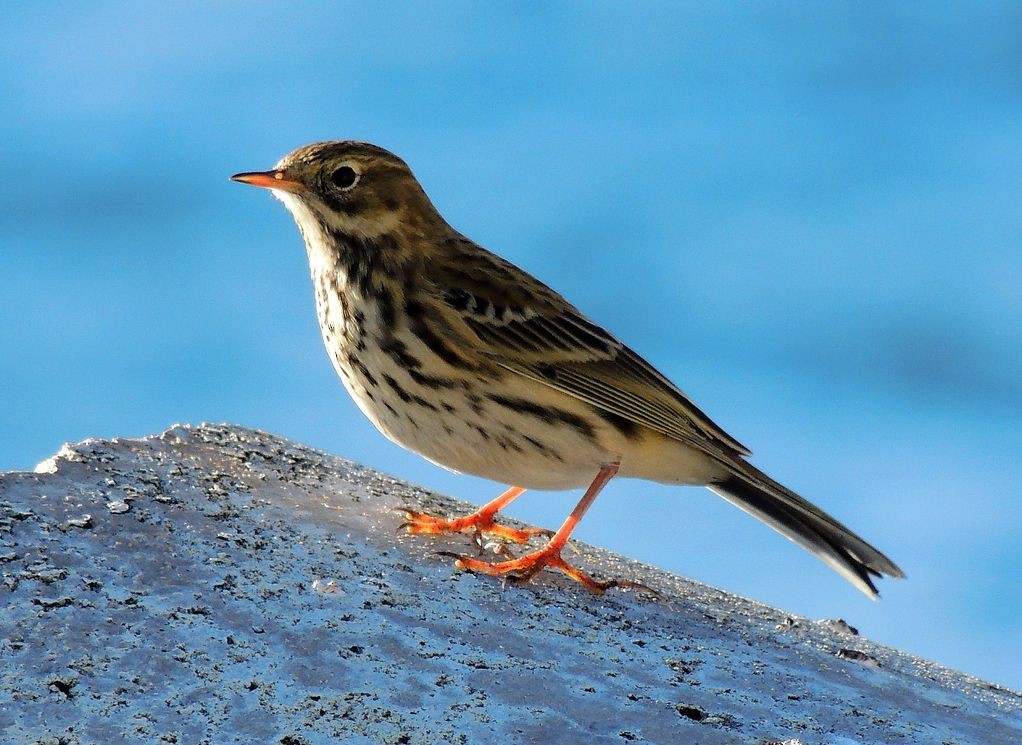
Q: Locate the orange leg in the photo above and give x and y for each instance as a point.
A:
(527, 566)
(480, 521)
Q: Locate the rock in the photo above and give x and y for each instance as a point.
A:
(257, 591)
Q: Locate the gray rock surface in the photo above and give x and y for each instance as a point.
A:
(219, 584)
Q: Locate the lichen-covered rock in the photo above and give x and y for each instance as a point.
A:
(219, 584)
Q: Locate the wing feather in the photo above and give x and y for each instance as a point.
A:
(527, 328)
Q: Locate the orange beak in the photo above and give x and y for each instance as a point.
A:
(268, 180)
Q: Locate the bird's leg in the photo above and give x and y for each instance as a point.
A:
(480, 521)
(525, 567)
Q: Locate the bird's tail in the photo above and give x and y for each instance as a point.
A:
(796, 519)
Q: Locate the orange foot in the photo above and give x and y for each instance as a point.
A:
(478, 522)
(526, 567)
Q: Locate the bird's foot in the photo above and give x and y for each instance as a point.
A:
(479, 522)
(526, 567)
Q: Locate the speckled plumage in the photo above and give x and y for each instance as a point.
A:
(462, 357)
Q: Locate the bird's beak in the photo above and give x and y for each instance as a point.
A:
(268, 180)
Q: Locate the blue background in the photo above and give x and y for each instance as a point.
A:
(807, 216)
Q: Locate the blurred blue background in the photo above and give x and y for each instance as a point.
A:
(806, 215)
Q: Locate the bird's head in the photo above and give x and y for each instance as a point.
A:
(352, 187)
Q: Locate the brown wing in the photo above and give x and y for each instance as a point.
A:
(526, 327)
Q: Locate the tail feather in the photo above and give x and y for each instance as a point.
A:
(802, 522)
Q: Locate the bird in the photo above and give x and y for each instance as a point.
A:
(460, 356)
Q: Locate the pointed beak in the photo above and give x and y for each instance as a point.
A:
(268, 180)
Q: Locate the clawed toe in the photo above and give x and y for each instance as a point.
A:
(524, 568)
(418, 523)
(515, 535)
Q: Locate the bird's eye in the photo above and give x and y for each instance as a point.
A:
(344, 177)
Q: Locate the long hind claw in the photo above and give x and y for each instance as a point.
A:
(528, 566)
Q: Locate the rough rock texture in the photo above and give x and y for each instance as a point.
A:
(219, 584)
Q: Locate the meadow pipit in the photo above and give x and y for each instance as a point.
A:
(465, 359)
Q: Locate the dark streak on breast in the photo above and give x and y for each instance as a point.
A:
(549, 414)
(543, 449)
(431, 381)
(398, 352)
(438, 345)
(355, 362)
(401, 392)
